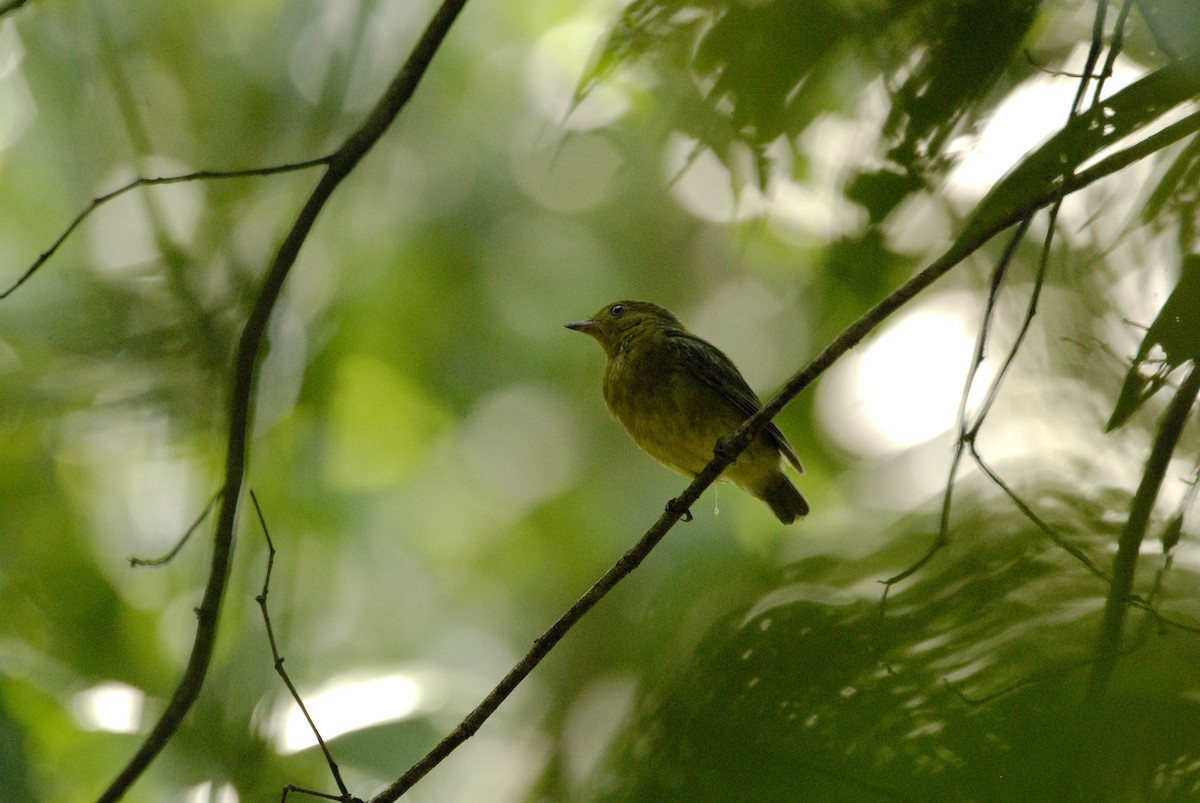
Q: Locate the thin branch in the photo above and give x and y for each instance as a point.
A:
(101, 200)
(968, 436)
(300, 790)
(977, 231)
(245, 369)
(1093, 56)
(170, 556)
(1120, 595)
(981, 343)
(1037, 520)
(1033, 62)
(1114, 49)
(261, 599)
(725, 453)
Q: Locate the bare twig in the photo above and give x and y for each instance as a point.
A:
(968, 435)
(101, 200)
(1093, 56)
(170, 556)
(981, 344)
(338, 166)
(1114, 49)
(1037, 520)
(261, 599)
(987, 222)
(725, 453)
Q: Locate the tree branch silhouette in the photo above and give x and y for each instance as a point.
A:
(1108, 643)
(1071, 137)
(338, 166)
(1012, 200)
(277, 659)
(726, 451)
(1036, 183)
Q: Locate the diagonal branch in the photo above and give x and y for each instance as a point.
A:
(727, 450)
(1012, 201)
(277, 659)
(340, 164)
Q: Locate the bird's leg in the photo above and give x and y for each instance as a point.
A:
(721, 447)
(676, 509)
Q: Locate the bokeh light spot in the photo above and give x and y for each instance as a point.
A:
(110, 707)
(905, 387)
(351, 703)
(520, 443)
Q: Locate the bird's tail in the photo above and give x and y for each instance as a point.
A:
(786, 502)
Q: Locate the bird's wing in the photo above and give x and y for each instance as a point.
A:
(709, 364)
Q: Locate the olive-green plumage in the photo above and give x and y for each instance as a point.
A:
(677, 395)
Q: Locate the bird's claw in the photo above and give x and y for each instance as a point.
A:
(676, 509)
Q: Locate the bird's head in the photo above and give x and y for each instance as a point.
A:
(617, 322)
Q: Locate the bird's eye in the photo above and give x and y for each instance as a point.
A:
(618, 309)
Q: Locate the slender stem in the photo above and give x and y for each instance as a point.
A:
(1108, 644)
(342, 161)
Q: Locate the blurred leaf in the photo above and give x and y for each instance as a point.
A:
(1174, 199)
(1176, 331)
(1175, 25)
(380, 424)
(881, 191)
(967, 689)
(1086, 134)
(968, 45)
(1171, 532)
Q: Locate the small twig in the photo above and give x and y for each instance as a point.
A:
(1166, 621)
(261, 599)
(968, 436)
(300, 790)
(1114, 50)
(170, 556)
(981, 343)
(339, 165)
(1037, 520)
(101, 200)
(1093, 56)
(1034, 62)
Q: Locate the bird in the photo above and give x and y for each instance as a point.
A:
(677, 395)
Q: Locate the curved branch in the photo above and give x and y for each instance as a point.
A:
(101, 200)
(1009, 203)
(726, 452)
(339, 165)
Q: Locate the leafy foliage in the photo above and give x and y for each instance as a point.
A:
(432, 452)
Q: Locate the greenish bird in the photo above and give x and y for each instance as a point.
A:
(677, 394)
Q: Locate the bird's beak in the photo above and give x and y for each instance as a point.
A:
(587, 327)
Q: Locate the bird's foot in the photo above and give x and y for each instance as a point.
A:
(722, 447)
(676, 509)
